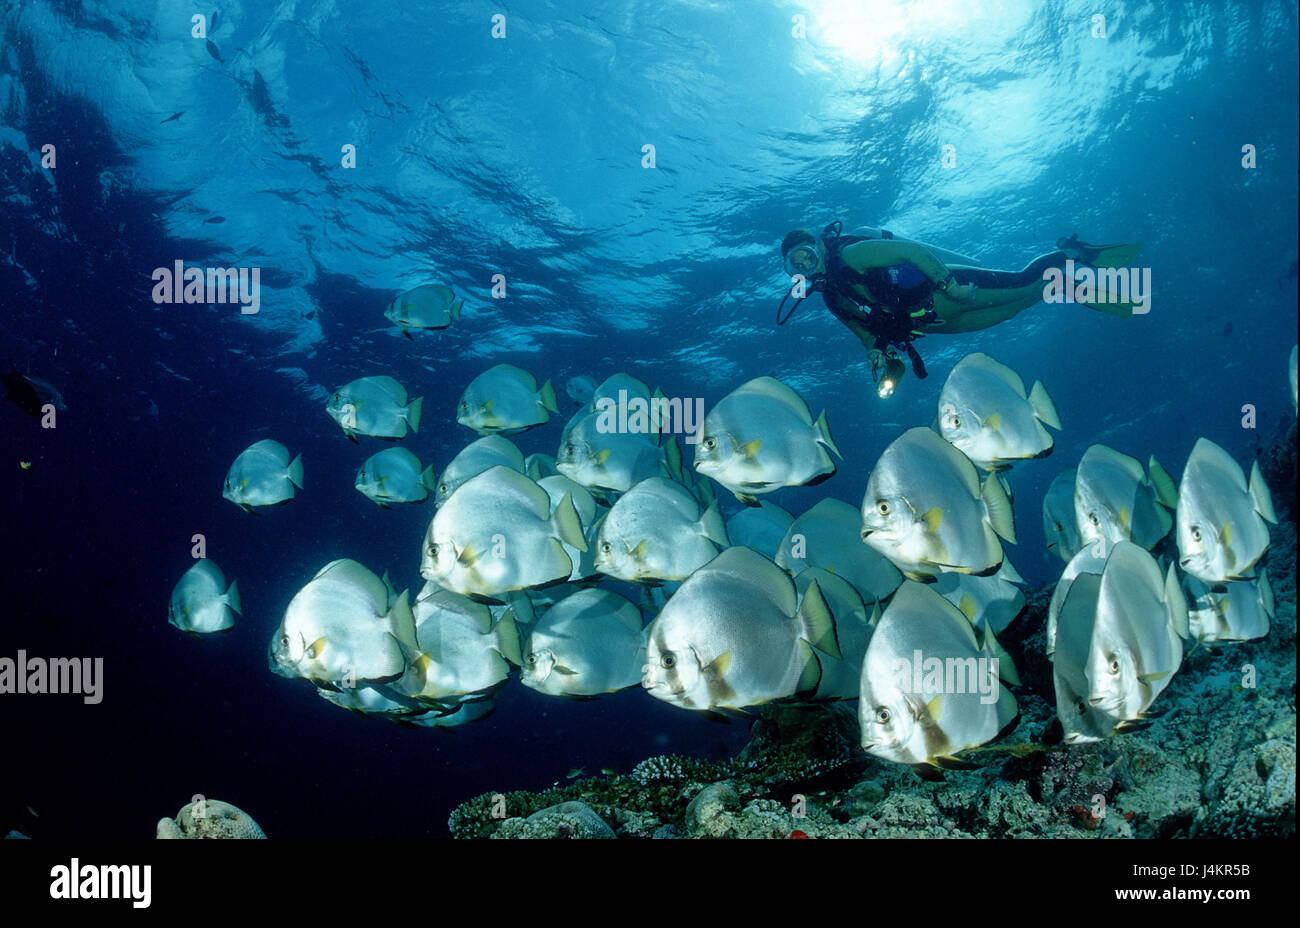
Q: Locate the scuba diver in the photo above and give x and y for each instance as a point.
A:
(890, 291)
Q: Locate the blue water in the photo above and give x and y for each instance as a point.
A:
(523, 156)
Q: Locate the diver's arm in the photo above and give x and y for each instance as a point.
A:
(892, 252)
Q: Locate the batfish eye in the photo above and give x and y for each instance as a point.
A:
(1196, 533)
(710, 443)
(363, 475)
(532, 658)
(433, 550)
(1092, 517)
(668, 659)
(1081, 706)
(883, 507)
(882, 715)
(569, 449)
(1114, 666)
(442, 488)
(284, 641)
(605, 548)
(464, 406)
(954, 421)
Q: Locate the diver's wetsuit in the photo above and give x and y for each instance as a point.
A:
(904, 297)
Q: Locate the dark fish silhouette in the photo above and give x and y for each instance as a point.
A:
(212, 50)
(173, 116)
(31, 393)
(215, 219)
(212, 23)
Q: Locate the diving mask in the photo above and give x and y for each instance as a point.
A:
(806, 260)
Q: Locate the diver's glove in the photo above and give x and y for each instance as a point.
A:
(961, 293)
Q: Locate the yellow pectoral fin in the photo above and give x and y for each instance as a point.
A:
(315, 648)
(638, 553)
(994, 422)
(466, 557)
(750, 448)
(968, 606)
(718, 667)
(602, 456)
(933, 519)
(1225, 534)
(1124, 518)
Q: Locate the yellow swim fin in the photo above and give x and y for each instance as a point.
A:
(1119, 255)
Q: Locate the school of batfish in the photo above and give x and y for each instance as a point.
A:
(896, 603)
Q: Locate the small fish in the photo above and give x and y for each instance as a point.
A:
(25, 465)
(212, 50)
(263, 475)
(931, 688)
(614, 385)
(609, 771)
(585, 645)
(1137, 638)
(1089, 560)
(394, 475)
(1059, 525)
(31, 394)
(201, 603)
(505, 399)
(557, 487)
(994, 601)
(461, 647)
(344, 627)
(760, 527)
(1115, 501)
(615, 461)
(986, 414)
(173, 117)
(429, 306)
(1239, 613)
(734, 635)
(761, 437)
(375, 406)
(1073, 627)
(926, 510)
(476, 457)
(581, 389)
(854, 621)
(214, 220)
(1220, 518)
(656, 531)
(539, 465)
(499, 532)
(829, 535)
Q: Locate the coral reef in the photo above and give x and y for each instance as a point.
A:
(209, 818)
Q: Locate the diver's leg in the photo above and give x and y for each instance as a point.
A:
(988, 310)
